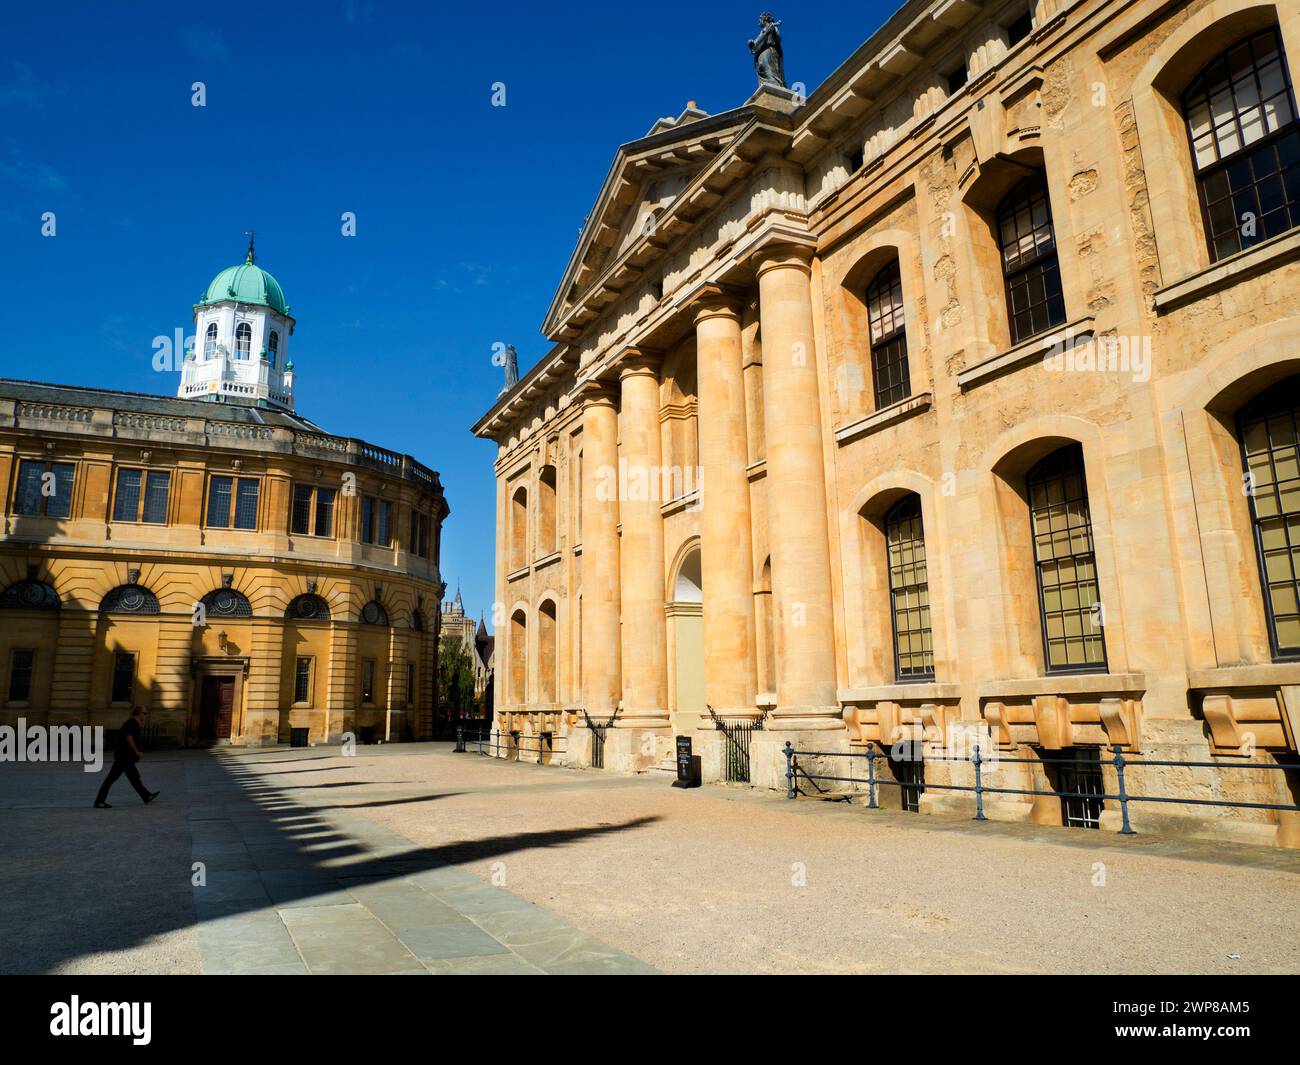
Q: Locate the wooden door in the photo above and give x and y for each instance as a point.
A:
(216, 708)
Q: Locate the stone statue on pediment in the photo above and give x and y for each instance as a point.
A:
(769, 60)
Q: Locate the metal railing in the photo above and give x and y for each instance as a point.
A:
(736, 734)
(873, 780)
(482, 740)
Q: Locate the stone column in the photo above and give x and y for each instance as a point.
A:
(796, 492)
(645, 638)
(601, 685)
(726, 548)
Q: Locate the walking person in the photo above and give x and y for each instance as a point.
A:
(124, 759)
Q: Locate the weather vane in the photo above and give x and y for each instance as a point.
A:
(249, 234)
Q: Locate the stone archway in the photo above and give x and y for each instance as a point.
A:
(686, 616)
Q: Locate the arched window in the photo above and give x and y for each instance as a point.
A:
(227, 603)
(129, 599)
(1027, 241)
(1241, 118)
(29, 595)
(1267, 428)
(373, 613)
(1068, 597)
(308, 607)
(210, 341)
(909, 591)
(519, 529)
(243, 340)
(888, 336)
(273, 347)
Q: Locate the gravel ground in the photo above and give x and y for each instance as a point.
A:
(712, 880)
(731, 880)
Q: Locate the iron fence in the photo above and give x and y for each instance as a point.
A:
(736, 734)
(1080, 785)
(544, 746)
(598, 739)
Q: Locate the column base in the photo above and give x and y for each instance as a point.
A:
(634, 750)
(806, 718)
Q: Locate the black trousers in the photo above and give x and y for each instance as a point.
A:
(132, 774)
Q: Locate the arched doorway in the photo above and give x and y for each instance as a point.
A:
(686, 616)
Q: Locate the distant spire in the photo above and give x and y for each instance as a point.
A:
(251, 257)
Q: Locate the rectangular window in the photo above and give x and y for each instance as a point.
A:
(149, 505)
(419, 545)
(44, 488)
(301, 509)
(412, 696)
(302, 680)
(383, 536)
(957, 80)
(123, 677)
(1019, 28)
(367, 520)
(126, 501)
(219, 502)
(367, 680)
(324, 511)
(20, 676)
(157, 486)
(246, 504)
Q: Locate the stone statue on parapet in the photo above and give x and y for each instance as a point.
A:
(769, 60)
(512, 367)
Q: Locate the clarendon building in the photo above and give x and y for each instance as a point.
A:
(216, 558)
(959, 395)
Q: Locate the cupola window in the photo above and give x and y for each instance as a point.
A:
(243, 340)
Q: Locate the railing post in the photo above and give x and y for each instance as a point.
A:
(871, 779)
(460, 739)
(979, 787)
(1127, 829)
(789, 771)
(539, 748)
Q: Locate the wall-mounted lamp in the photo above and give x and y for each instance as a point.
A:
(222, 641)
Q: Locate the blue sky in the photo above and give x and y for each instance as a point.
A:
(466, 213)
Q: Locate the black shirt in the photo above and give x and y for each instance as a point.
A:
(124, 753)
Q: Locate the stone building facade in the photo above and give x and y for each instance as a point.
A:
(224, 562)
(962, 392)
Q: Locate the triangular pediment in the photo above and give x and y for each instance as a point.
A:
(644, 181)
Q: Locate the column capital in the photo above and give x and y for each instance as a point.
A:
(715, 299)
(637, 359)
(780, 254)
(594, 392)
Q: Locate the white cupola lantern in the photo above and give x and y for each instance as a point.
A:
(242, 328)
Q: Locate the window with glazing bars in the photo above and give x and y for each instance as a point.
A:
(909, 591)
(302, 680)
(141, 496)
(1241, 119)
(1027, 239)
(20, 675)
(44, 488)
(1068, 597)
(888, 336)
(1269, 430)
(367, 680)
(220, 491)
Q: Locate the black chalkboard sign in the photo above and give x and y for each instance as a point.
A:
(688, 765)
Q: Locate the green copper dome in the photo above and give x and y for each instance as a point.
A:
(247, 283)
